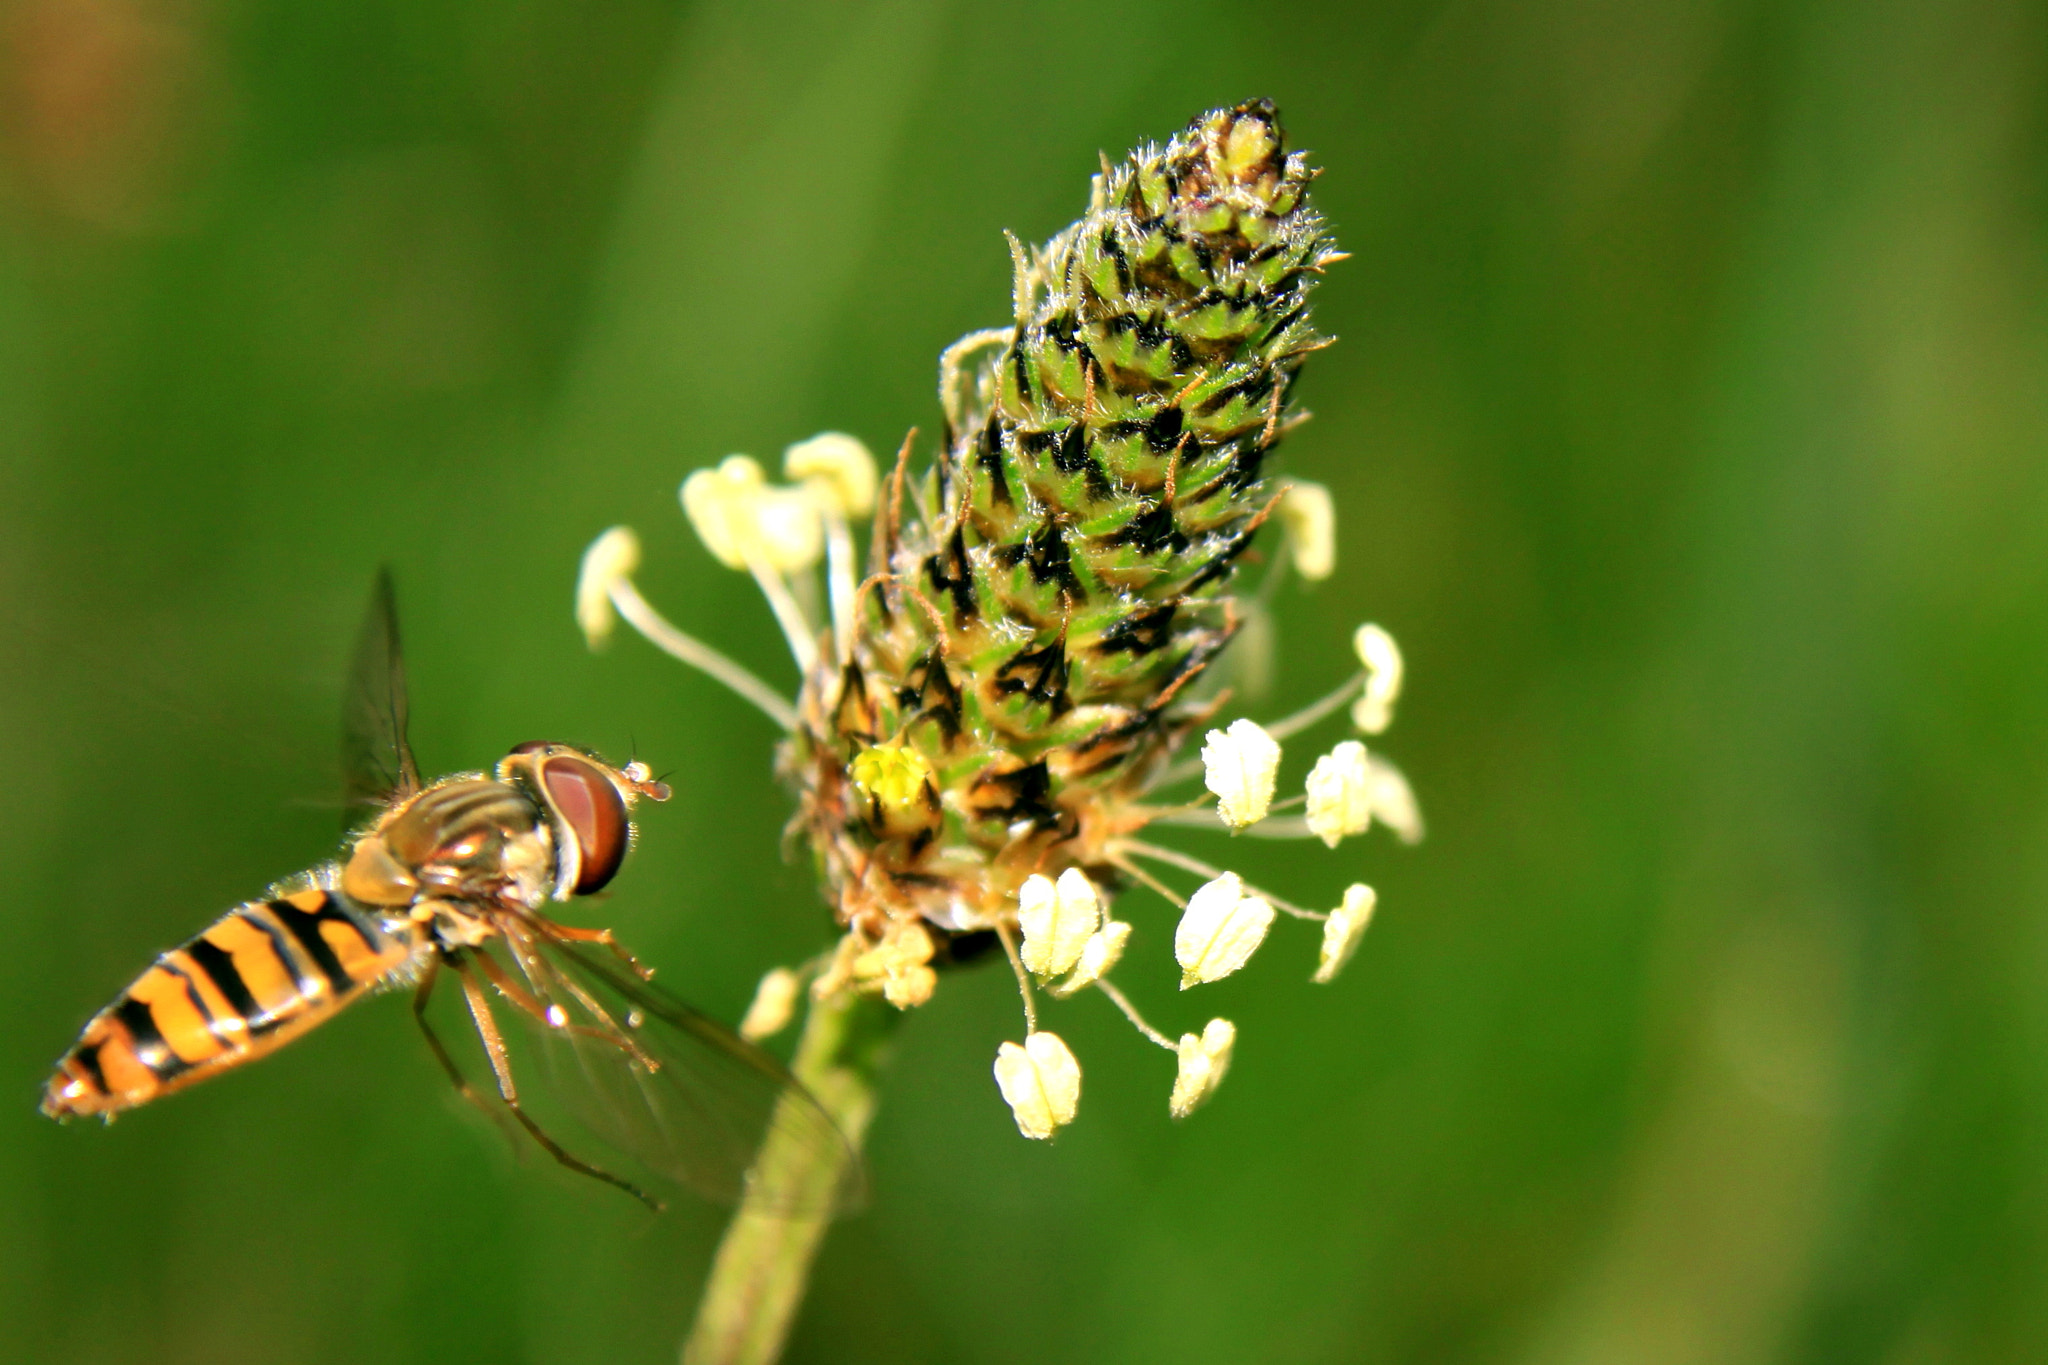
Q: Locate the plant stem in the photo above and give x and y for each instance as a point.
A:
(764, 1263)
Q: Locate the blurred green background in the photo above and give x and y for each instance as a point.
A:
(1688, 431)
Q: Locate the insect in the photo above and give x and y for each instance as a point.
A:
(455, 877)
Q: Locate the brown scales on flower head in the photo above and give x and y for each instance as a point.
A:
(1008, 681)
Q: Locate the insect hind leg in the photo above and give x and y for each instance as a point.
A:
(421, 994)
(508, 1091)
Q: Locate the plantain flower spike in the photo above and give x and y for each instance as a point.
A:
(1041, 1082)
(1009, 667)
(1241, 766)
(1201, 1061)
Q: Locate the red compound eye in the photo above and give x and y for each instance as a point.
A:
(532, 746)
(595, 813)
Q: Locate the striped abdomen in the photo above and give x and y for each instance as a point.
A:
(262, 975)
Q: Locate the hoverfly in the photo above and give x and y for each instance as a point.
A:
(455, 877)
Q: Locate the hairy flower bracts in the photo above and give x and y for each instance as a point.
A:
(987, 724)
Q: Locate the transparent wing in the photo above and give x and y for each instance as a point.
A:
(677, 1093)
(376, 759)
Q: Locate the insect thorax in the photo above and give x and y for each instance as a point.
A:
(467, 839)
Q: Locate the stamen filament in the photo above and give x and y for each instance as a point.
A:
(839, 581)
(1201, 815)
(1270, 584)
(1173, 857)
(1279, 729)
(1297, 828)
(1123, 1003)
(796, 627)
(1316, 710)
(1164, 891)
(659, 632)
(1023, 977)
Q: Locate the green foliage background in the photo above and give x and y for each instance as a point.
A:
(1687, 429)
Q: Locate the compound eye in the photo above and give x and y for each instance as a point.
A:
(596, 815)
(532, 746)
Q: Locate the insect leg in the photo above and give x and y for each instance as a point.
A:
(526, 1000)
(420, 995)
(570, 933)
(501, 1066)
(540, 970)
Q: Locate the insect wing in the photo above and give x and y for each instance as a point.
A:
(676, 1092)
(376, 757)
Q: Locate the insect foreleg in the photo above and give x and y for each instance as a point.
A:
(508, 1090)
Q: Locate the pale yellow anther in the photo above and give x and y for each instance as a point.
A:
(1343, 929)
(1219, 930)
(837, 467)
(1310, 519)
(719, 502)
(610, 560)
(1373, 712)
(894, 774)
(745, 521)
(1204, 1058)
(1101, 953)
(773, 1005)
(1041, 1082)
(1393, 801)
(1057, 920)
(1340, 793)
(1241, 765)
(899, 965)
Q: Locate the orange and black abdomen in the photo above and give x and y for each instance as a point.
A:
(262, 975)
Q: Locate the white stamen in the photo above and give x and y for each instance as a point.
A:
(611, 559)
(1374, 711)
(838, 469)
(1340, 793)
(679, 644)
(1041, 1082)
(1310, 519)
(773, 1005)
(1219, 931)
(1393, 801)
(1098, 956)
(768, 531)
(1242, 765)
(840, 582)
(1343, 929)
(742, 519)
(1057, 921)
(1203, 1061)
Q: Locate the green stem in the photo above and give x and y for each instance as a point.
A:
(764, 1263)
